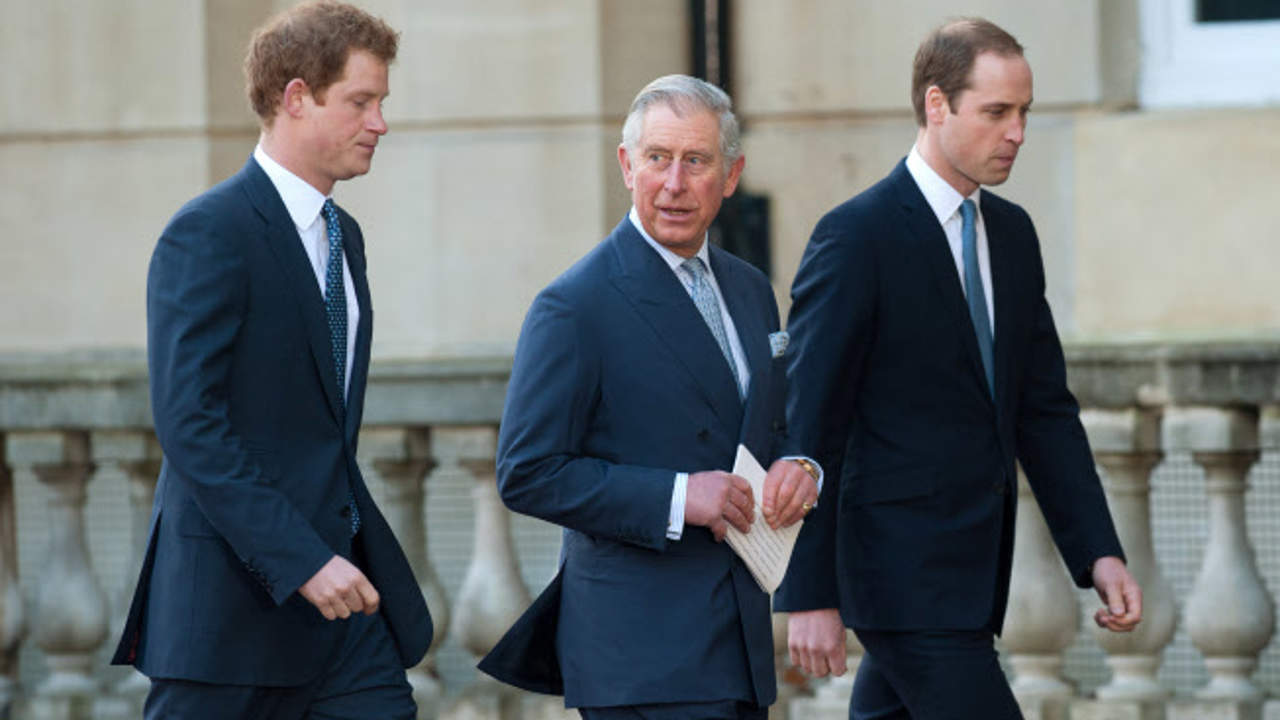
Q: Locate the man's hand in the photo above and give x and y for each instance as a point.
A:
(816, 641)
(339, 589)
(1119, 592)
(716, 500)
(789, 492)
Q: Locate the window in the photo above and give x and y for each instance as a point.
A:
(1202, 53)
(1236, 10)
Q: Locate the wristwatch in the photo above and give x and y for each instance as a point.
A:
(808, 466)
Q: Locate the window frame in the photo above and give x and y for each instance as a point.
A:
(1186, 63)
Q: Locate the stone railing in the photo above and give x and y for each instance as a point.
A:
(79, 461)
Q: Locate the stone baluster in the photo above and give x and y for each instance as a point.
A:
(403, 458)
(790, 683)
(70, 608)
(493, 594)
(139, 457)
(1043, 614)
(1126, 443)
(1229, 613)
(830, 700)
(12, 615)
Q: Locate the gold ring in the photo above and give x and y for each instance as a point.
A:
(806, 507)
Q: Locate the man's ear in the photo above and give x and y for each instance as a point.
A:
(735, 174)
(624, 160)
(936, 105)
(295, 95)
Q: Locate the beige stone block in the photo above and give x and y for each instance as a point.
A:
(463, 228)
(1213, 710)
(1117, 710)
(228, 25)
(836, 55)
(640, 41)
(807, 168)
(462, 59)
(1174, 216)
(87, 215)
(77, 65)
(1271, 710)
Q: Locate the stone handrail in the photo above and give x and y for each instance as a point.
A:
(63, 418)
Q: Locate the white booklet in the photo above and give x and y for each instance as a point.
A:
(765, 551)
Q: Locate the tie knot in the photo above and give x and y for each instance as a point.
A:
(694, 266)
(967, 210)
(329, 210)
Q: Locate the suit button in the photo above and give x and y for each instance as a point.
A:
(998, 488)
(703, 434)
(345, 511)
(778, 425)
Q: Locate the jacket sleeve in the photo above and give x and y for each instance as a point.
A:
(544, 467)
(1054, 450)
(830, 324)
(196, 302)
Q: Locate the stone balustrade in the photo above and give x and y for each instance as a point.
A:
(1186, 437)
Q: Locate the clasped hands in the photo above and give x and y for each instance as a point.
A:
(715, 499)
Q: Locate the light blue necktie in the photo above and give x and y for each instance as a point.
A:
(976, 296)
(705, 298)
(335, 310)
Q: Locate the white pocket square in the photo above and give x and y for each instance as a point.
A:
(778, 342)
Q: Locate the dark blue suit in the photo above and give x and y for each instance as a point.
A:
(259, 453)
(618, 385)
(915, 533)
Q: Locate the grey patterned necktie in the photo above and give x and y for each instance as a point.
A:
(705, 298)
(335, 310)
(974, 292)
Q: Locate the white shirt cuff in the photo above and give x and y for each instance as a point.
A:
(821, 474)
(675, 521)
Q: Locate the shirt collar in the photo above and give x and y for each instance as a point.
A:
(301, 199)
(674, 260)
(942, 198)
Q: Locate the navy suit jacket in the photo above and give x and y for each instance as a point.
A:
(618, 385)
(259, 453)
(887, 387)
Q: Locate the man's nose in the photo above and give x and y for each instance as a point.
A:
(1017, 131)
(674, 180)
(376, 122)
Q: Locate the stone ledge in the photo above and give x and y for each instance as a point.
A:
(108, 388)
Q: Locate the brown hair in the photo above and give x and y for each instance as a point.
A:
(946, 56)
(311, 42)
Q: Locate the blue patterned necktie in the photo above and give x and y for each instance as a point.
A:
(974, 292)
(705, 298)
(335, 310)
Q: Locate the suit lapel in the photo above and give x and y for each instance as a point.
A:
(662, 302)
(364, 331)
(932, 244)
(282, 238)
(1001, 289)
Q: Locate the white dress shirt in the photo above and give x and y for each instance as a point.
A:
(945, 202)
(675, 520)
(304, 203)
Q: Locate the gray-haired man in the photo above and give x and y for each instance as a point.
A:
(638, 373)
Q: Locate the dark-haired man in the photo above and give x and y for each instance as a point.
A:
(925, 363)
(272, 587)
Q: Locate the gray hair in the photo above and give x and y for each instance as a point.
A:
(684, 94)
